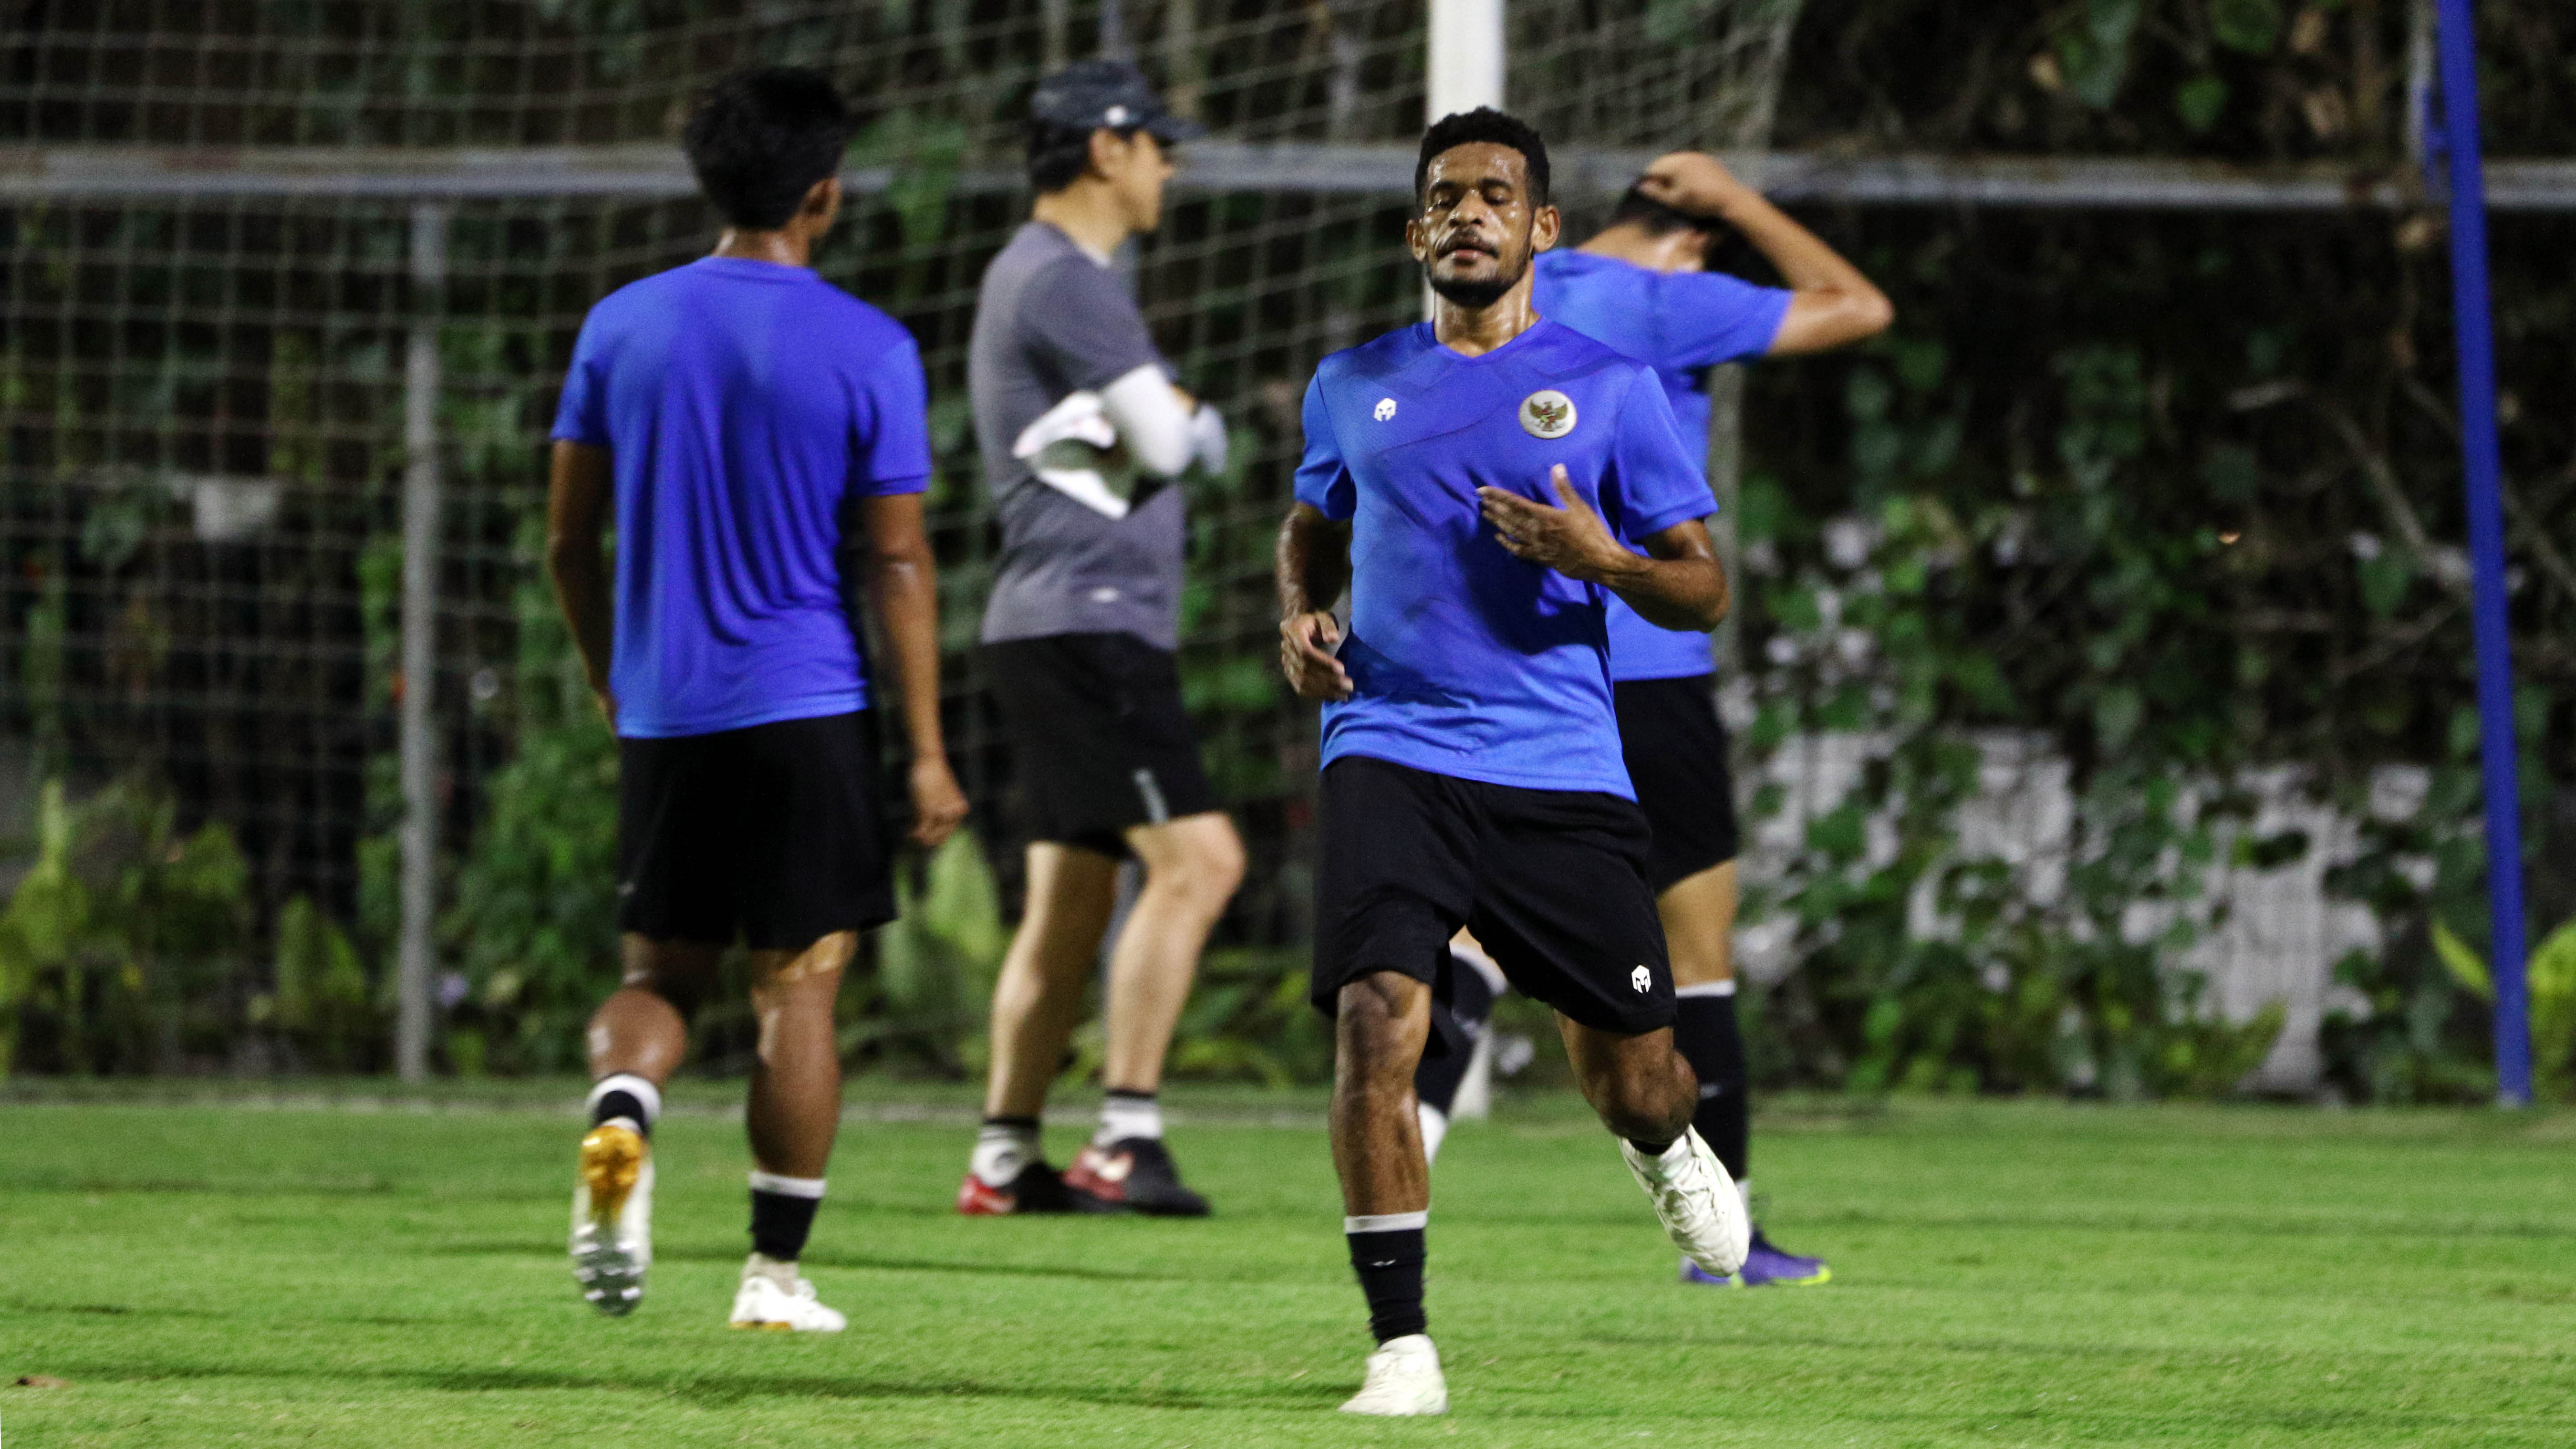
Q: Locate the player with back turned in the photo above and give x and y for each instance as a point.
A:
(737, 417)
(1472, 478)
(1642, 286)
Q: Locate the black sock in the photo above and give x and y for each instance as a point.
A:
(1389, 1263)
(1654, 1149)
(1457, 1023)
(1713, 1043)
(780, 1223)
(615, 1104)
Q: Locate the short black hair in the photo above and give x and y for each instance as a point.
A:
(1059, 154)
(1637, 209)
(1485, 124)
(760, 138)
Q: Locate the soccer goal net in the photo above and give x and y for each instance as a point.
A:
(241, 245)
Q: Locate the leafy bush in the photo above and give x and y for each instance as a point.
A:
(119, 950)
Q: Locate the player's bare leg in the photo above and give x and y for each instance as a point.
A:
(637, 1038)
(1644, 1092)
(1379, 1029)
(1192, 866)
(1699, 926)
(1378, 1037)
(1037, 1001)
(793, 1116)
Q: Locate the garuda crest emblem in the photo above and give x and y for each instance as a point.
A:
(1547, 414)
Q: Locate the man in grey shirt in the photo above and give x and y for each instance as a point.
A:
(1082, 429)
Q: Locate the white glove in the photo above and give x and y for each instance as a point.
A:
(1207, 439)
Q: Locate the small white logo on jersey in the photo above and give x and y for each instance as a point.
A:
(1641, 978)
(1547, 413)
(1385, 408)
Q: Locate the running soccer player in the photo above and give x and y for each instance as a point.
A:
(1641, 286)
(1082, 429)
(731, 415)
(1470, 478)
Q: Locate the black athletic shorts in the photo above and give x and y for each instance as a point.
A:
(776, 831)
(1099, 740)
(1551, 882)
(1676, 748)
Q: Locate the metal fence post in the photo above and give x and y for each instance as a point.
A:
(420, 643)
(2473, 320)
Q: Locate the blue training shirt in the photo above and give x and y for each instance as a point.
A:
(1679, 324)
(746, 406)
(1465, 660)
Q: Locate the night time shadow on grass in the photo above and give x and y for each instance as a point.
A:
(524, 1248)
(732, 1389)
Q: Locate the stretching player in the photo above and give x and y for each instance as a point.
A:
(1081, 426)
(1640, 287)
(732, 413)
(1470, 479)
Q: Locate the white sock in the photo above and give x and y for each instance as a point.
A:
(1435, 1126)
(632, 1085)
(762, 1265)
(1001, 1150)
(1128, 1114)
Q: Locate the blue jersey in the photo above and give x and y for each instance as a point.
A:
(1679, 324)
(1465, 660)
(745, 406)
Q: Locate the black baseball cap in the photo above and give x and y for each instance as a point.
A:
(1090, 94)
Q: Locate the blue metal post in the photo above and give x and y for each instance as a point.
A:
(2473, 320)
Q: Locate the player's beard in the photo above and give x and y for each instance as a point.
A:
(1478, 293)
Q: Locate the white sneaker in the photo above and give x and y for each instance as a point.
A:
(1403, 1380)
(761, 1303)
(612, 1217)
(1701, 1211)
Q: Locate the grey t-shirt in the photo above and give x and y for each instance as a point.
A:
(1051, 321)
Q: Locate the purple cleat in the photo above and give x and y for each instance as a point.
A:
(1764, 1266)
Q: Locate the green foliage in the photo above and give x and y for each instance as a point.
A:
(2095, 50)
(2251, 26)
(534, 923)
(115, 946)
(2199, 101)
(936, 962)
(321, 1000)
(1919, 964)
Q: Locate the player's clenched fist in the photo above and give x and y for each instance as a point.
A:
(1694, 184)
(1306, 645)
(938, 806)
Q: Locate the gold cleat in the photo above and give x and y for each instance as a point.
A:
(612, 1158)
(612, 1206)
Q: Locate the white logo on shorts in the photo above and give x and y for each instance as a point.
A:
(1641, 978)
(1385, 408)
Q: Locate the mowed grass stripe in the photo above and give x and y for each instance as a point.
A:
(2006, 1274)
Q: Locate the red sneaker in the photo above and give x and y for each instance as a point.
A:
(1134, 1174)
(1036, 1190)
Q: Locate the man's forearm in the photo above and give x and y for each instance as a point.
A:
(1802, 258)
(905, 593)
(1683, 593)
(580, 573)
(1312, 563)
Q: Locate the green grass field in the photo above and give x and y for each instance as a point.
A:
(2005, 1274)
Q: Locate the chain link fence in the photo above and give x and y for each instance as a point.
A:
(239, 246)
